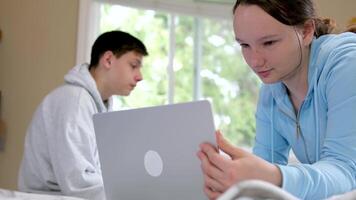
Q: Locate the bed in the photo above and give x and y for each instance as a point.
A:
(256, 189)
(16, 195)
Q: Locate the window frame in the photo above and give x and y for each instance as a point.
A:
(88, 29)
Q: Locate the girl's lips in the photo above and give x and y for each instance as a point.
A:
(264, 74)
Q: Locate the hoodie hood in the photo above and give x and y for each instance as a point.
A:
(80, 76)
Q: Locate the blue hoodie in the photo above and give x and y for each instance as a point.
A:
(323, 134)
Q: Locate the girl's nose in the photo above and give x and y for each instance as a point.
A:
(256, 59)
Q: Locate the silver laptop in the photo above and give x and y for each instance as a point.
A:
(150, 153)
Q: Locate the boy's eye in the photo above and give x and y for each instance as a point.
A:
(243, 45)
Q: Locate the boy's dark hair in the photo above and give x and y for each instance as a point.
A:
(118, 42)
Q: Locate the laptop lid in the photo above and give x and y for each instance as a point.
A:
(150, 153)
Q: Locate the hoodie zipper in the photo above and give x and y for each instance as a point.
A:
(299, 131)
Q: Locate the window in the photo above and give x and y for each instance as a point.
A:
(191, 57)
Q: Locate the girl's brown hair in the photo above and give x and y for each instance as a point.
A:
(292, 13)
(351, 27)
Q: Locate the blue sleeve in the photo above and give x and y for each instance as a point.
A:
(264, 138)
(335, 172)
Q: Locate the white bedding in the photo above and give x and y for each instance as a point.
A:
(256, 189)
(246, 191)
(15, 195)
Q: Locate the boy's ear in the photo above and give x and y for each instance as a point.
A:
(308, 30)
(106, 59)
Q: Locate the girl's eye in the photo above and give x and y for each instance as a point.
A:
(269, 43)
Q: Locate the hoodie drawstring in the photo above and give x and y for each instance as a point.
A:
(317, 125)
(272, 131)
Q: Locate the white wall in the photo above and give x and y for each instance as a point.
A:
(37, 48)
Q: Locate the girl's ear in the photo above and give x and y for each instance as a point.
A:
(308, 30)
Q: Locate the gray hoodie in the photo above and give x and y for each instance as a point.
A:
(60, 155)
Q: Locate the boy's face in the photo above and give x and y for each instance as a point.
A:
(125, 73)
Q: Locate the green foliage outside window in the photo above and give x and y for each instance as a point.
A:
(226, 80)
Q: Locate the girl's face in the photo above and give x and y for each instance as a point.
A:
(270, 48)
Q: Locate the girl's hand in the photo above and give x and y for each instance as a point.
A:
(221, 172)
